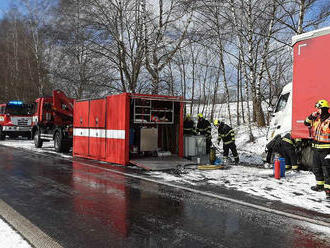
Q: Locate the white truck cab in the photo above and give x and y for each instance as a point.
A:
(282, 115)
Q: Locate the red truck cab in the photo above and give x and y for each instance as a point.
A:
(52, 120)
(15, 120)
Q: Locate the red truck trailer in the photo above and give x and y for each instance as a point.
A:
(15, 120)
(311, 76)
(311, 83)
(52, 120)
(144, 130)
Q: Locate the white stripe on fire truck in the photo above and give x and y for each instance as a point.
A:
(116, 134)
(81, 132)
(99, 133)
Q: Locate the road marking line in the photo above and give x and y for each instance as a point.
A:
(30, 232)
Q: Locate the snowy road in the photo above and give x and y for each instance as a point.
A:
(81, 205)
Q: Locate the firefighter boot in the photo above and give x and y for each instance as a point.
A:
(236, 160)
(295, 167)
(317, 187)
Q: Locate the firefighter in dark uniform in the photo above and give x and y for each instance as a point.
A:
(273, 146)
(204, 128)
(189, 126)
(319, 122)
(227, 135)
(287, 150)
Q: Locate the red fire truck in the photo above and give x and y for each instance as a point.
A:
(52, 120)
(15, 120)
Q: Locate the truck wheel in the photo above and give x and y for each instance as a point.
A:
(58, 142)
(307, 157)
(37, 139)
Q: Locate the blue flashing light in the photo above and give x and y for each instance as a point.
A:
(15, 103)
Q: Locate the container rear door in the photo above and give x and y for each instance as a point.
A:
(310, 80)
(80, 128)
(97, 113)
(117, 129)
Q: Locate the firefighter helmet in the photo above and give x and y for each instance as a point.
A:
(322, 104)
(200, 115)
(216, 122)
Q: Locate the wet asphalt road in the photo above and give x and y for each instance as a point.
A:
(85, 206)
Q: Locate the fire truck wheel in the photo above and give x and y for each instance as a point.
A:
(37, 140)
(58, 142)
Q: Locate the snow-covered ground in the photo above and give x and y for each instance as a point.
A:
(294, 189)
(9, 238)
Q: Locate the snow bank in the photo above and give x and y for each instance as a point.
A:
(9, 238)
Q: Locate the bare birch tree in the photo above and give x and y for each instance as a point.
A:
(165, 29)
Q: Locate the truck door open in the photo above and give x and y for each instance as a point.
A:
(156, 132)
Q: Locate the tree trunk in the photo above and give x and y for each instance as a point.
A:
(237, 93)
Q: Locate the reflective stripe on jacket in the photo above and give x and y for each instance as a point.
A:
(204, 127)
(287, 138)
(189, 127)
(226, 133)
(320, 131)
